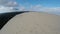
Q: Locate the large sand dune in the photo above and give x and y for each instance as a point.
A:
(33, 23)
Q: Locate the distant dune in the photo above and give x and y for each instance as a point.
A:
(33, 23)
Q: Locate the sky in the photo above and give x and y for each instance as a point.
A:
(50, 6)
(47, 3)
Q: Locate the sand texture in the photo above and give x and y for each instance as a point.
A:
(33, 23)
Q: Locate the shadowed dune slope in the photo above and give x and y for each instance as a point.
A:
(5, 17)
(32, 23)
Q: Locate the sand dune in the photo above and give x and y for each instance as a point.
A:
(33, 23)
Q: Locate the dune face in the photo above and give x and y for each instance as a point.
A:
(5, 17)
(33, 23)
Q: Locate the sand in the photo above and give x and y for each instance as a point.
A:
(33, 23)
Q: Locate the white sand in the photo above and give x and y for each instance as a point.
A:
(33, 23)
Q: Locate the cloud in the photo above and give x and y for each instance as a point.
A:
(22, 8)
(36, 8)
(11, 4)
(2, 2)
(40, 8)
(45, 9)
(7, 5)
(5, 9)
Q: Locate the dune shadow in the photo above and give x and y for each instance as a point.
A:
(5, 17)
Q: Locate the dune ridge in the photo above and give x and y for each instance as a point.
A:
(33, 23)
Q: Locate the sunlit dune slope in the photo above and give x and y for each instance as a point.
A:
(32, 23)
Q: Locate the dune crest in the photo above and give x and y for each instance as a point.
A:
(33, 23)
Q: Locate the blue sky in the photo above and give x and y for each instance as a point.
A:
(46, 3)
(50, 6)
